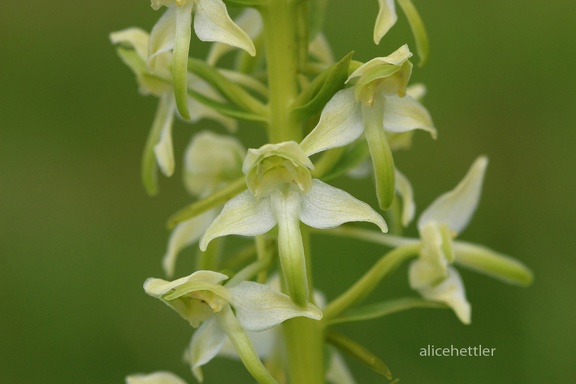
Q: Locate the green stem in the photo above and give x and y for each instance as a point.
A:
(279, 18)
(217, 198)
(370, 280)
(305, 343)
(369, 235)
(327, 162)
(304, 337)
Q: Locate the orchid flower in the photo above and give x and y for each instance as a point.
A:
(281, 192)
(159, 149)
(220, 311)
(269, 343)
(211, 161)
(173, 31)
(432, 274)
(375, 105)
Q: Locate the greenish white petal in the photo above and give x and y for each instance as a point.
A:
(164, 150)
(161, 37)
(338, 372)
(158, 287)
(258, 307)
(339, 125)
(437, 251)
(264, 343)
(211, 161)
(402, 114)
(325, 207)
(455, 208)
(204, 346)
(396, 58)
(242, 215)
(385, 20)
(451, 292)
(163, 120)
(155, 378)
(184, 235)
(416, 91)
(212, 23)
(425, 272)
(249, 21)
(289, 150)
(134, 37)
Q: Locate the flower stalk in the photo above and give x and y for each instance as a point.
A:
(305, 344)
(257, 301)
(282, 63)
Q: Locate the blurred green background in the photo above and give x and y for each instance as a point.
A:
(78, 235)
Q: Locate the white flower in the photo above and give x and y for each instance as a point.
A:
(173, 30)
(207, 305)
(375, 105)
(157, 81)
(211, 161)
(281, 192)
(447, 216)
(268, 344)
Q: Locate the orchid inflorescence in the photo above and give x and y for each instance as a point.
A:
(323, 119)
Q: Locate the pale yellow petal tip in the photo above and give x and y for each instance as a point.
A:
(314, 312)
(382, 225)
(481, 162)
(204, 244)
